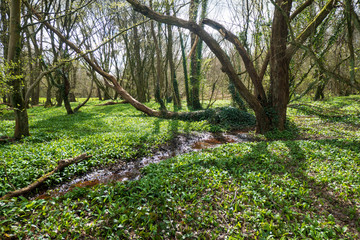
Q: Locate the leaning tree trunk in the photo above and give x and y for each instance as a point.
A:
(186, 78)
(14, 50)
(262, 104)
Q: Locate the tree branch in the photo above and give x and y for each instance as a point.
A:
(331, 74)
(122, 92)
(300, 9)
(310, 29)
(227, 66)
(243, 53)
(61, 165)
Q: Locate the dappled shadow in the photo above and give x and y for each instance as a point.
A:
(342, 102)
(329, 114)
(320, 195)
(74, 124)
(326, 202)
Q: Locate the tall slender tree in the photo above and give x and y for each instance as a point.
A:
(16, 78)
(4, 39)
(170, 58)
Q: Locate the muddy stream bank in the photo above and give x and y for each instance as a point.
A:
(124, 171)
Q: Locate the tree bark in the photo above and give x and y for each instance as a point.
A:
(195, 60)
(139, 76)
(4, 36)
(186, 78)
(177, 99)
(279, 65)
(48, 102)
(350, 30)
(65, 90)
(14, 51)
(159, 69)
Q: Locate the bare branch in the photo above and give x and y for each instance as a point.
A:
(243, 53)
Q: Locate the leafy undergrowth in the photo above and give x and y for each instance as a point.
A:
(335, 118)
(108, 133)
(302, 189)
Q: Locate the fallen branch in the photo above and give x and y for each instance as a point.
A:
(61, 165)
(113, 103)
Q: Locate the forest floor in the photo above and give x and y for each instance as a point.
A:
(303, 183)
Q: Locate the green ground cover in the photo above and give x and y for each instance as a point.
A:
(306, 186)
(108, 133)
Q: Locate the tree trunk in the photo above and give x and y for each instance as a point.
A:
(35, 93)
(34, 71)
(186, 78)
(61, 165)
(195, 60)
(106, 93)
(59, 97)
(14, 50)
(48, 102)
(4, 36)
(159, 70)
(319, 94)
(99, 94)
(177, 99)
(350, 29)
(65, 93)
(279, 65)
(139, 76)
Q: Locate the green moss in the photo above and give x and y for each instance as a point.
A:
(223, 117)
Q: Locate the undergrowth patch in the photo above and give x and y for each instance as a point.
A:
(298, 189)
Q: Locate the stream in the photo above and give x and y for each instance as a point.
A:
(124, 171)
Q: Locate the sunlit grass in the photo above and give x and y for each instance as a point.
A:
(306, 188)
(109, 133)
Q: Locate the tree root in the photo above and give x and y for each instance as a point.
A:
(61, 165)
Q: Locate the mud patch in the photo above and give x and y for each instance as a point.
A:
(124, 171)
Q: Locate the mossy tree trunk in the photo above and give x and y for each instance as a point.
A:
(159, 83)
(186, 78)
(195, 60)
(48, 102)
(4, 36)
(279, 65)
(16, 82)
(170, 57)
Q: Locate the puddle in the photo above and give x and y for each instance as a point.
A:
(124, 171)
